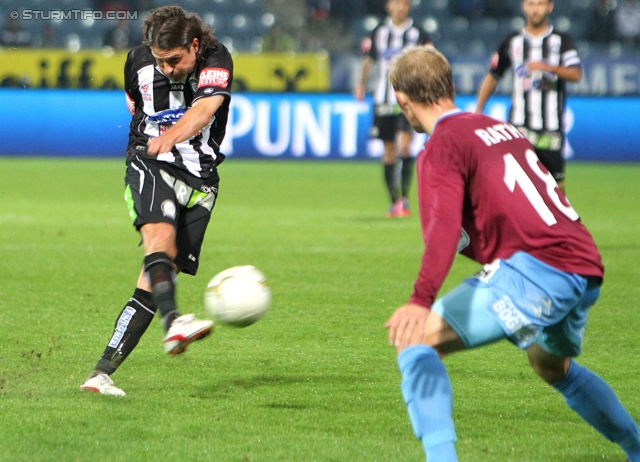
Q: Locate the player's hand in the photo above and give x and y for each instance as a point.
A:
(406, 326)
(359, 92)
(158, 145)
(539, 66)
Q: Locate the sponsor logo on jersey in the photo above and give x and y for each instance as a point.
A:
(145, 91)
(177, 86)
(522, 71)
(214, 77)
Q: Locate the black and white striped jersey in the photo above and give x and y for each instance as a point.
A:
(538, 97)
(385, 42)
(155, 103)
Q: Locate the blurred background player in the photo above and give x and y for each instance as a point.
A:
(483, 193)
(389, 38)
(177, 86)
(542, 61)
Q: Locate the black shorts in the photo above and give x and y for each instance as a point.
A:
(548, 146)
(554, 162)
(386, 126)
(158, 192)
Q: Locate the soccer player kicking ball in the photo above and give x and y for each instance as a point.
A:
(483, 192)
(178, 91)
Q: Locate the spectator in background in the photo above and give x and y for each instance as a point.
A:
(278, 40)
(14, 36)
(601, 27)
(319, 9)
(627, 21)
(48, 38)
(119, 36)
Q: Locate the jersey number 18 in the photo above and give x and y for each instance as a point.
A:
(515, 174)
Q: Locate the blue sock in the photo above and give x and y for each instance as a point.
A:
(427, 391)
(594, 400)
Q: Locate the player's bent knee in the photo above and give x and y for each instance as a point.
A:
(548, 367)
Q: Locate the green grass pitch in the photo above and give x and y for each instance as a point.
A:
(315, 379)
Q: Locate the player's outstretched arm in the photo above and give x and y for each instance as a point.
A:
(487, 88)
(193, 120)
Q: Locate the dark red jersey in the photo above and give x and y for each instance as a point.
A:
(481, 187)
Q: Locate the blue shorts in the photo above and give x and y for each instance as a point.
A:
(524, 300)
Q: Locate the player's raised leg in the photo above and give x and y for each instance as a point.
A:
(160, 248)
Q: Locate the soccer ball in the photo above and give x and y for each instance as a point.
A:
(238, 296)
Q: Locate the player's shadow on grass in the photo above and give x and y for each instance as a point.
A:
(225, 388)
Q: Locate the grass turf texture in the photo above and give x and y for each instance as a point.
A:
(315, 379)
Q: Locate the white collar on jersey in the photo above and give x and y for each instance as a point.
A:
(534, 38)
(446, 114)
(405, 26)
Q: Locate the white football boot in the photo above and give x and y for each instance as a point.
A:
(184, 330)
(102, 384)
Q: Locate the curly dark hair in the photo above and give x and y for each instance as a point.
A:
(171, 27)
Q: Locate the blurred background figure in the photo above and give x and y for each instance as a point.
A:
(14, 36)
(627, 22)
(278, 40)
(119, 37)
(601, 27)
(48, 37)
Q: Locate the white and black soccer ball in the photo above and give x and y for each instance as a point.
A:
(238, 296)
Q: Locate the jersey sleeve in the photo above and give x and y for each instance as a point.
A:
(441, 197)
(500, 60)
(368, 45)
(130, 83)
(568, 52)
(216, 75)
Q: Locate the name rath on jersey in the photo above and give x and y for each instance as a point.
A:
(497, 133)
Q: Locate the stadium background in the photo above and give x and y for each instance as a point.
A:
(294, 104)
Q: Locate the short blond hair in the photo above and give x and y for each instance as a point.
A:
(423, 74)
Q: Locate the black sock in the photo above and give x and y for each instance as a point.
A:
(131, 324)
(390, 180)
(406, 174)
(159, 268)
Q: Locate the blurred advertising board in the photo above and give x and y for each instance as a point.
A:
(282, 125)
(104, 69)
